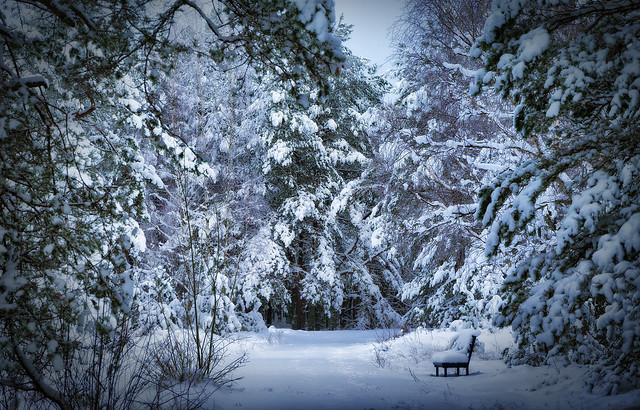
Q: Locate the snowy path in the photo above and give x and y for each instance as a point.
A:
(318, 370)
(336, 370)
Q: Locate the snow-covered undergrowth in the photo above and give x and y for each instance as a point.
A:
(383, 369)
(405, 351)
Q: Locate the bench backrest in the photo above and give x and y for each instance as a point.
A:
(471, 345)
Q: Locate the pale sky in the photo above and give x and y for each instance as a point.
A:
(371, 20)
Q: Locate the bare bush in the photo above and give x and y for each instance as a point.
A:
(176, 361)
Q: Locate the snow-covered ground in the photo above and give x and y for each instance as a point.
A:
(372, 369)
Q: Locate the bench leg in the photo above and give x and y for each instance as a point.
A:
(445, 372)
(437, 368)
(458, 371)
(467, 370)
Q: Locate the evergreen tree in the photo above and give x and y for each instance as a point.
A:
(370, 289)
(314, 150)
(73, 77)
(572, 70)
(300, 185)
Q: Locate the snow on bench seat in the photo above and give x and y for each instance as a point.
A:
(449, 356)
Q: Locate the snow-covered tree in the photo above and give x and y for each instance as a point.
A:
(73, 177)
(212, 205)
(300, 185)
(573, 70)
(436, 144)
(240, 134)
(73, 185)
(313, 150)
(370, 288)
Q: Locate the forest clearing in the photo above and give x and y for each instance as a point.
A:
(379, 369)
(179, 176)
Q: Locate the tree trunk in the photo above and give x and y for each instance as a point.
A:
(298, 320)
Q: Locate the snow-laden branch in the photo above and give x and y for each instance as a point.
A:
(212, 26)
(459, 67)
(34, 375)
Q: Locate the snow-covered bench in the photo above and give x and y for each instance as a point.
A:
(460, 354)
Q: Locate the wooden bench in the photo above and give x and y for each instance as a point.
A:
(455, 358)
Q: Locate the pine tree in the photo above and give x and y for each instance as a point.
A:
(72, 184)
(72, 113)
(572, 70)
(370, 289)
(314, 150)
(300, 185)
